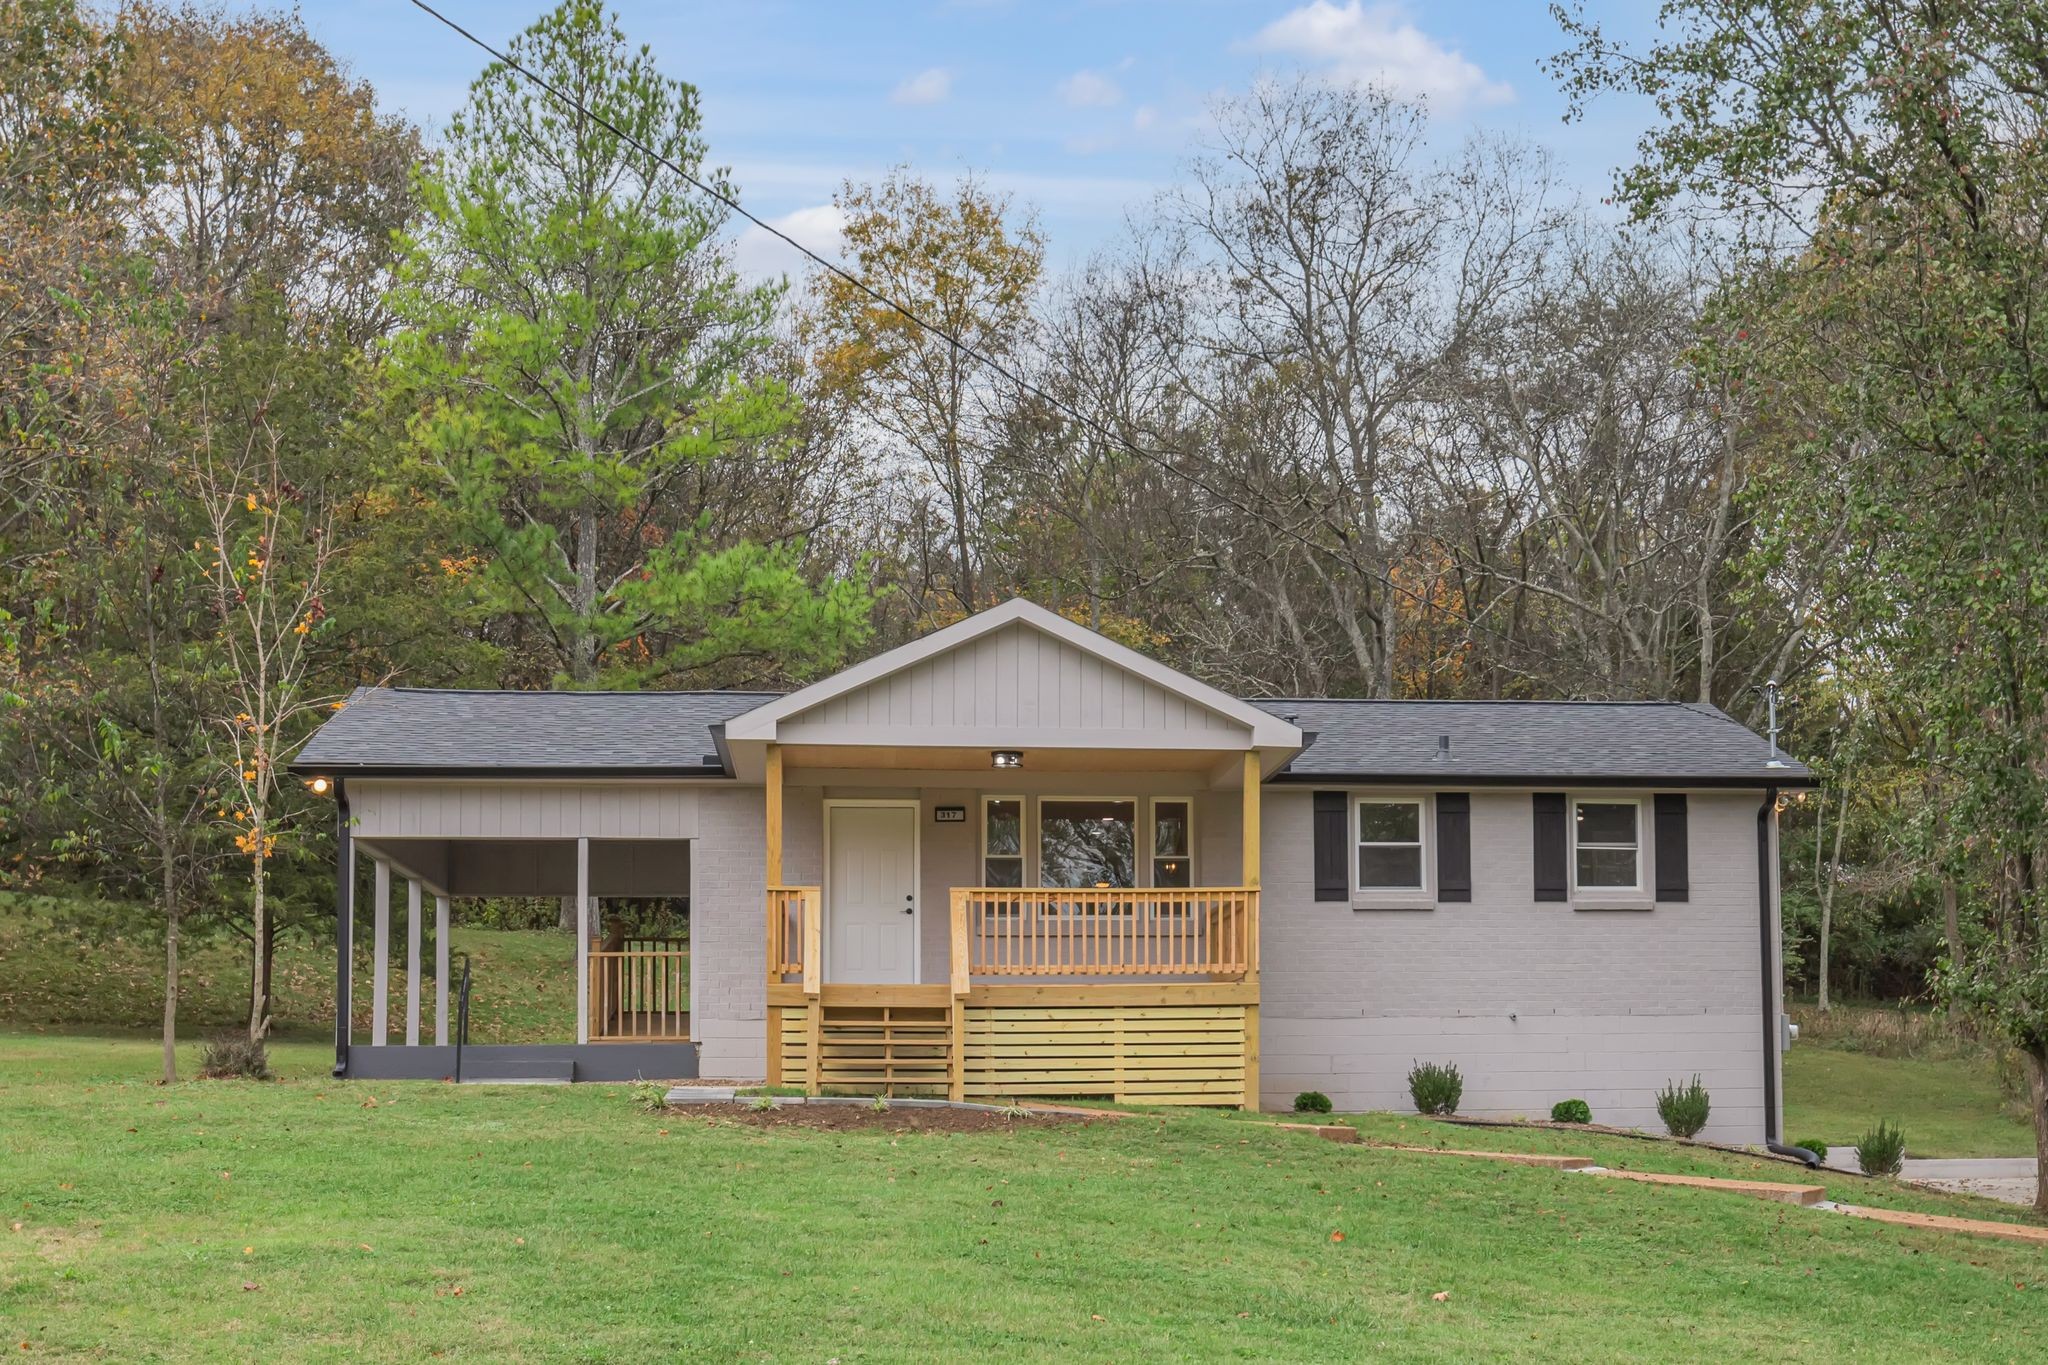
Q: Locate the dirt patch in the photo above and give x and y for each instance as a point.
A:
(849, 1118)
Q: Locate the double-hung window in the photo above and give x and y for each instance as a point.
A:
(1390, 843)
(1172, 847)
(1002, 841)
(1607, 845)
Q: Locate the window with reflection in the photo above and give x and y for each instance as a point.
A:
(1172, 844)
(1087, 843)
(1002, 841)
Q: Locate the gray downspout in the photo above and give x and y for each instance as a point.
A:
(1767, 954)
(344, 928)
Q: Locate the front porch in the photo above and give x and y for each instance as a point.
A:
(1145, 994)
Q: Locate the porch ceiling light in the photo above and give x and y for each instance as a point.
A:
(319, 786)
(1006, 758)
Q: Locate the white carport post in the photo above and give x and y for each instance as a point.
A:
(412, 962)
(583, 940)
(380, 977)
(440, 971)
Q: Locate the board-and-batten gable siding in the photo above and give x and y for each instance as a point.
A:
(412, 809)
(1015, 682)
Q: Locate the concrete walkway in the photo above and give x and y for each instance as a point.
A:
(2007, 1178)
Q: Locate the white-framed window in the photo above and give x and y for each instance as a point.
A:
(1087, 842)
(1607, 843)
(1392, 840)
(1173, 842)
(1002, 841)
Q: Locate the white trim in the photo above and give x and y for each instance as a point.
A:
(916, 808)
(412, 962)
(1265, 729)
(1572, 803)
(1151, 858)
(1023, 838)
(380, 988)
(1425, 845)
(440, 971)
(582, 941)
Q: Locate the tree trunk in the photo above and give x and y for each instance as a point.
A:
(583, 646)
(259, 948)
(1827, 891)
(172, 914)
(2037, 1094)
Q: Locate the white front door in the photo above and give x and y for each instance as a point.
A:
(871, 894)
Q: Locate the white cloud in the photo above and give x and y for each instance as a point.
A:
(1088, 90)
(1377, 44)
(1143, 117)
(759, 255)
(930, 86)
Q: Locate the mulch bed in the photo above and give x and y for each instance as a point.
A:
(849, 1118)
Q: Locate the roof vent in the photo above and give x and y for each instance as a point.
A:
(1443, 748)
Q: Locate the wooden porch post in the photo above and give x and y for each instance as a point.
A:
(772, 840)
(956, 1067)
(582, 940)
(412, 962)
(1252, 784)
(774, 817)
(380, 972)
(440, 971)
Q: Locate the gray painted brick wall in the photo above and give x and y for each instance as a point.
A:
(1535, 1001)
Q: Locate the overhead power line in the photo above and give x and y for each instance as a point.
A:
(1162, 462)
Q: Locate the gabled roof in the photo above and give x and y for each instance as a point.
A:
(1520, 742)
(1262, 728)
(400, 730)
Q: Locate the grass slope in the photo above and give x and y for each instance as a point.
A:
(1948, 1106)
(523, 983)
(312, 1220)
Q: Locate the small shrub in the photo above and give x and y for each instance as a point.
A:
(1571, 1111)
(1684, 1108)
(1013, 1110)
(234, 1056)
(1311, 1102)
(1882, 1150)
(1817, 1147)
(650, 1096)
(1435, 1089)
(762, 1104)
(880, 1105)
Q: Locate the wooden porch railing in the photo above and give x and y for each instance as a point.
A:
(640, 991)
(1209, 931)
(795, 934)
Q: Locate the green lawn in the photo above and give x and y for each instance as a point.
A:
(315, 1220)
(1947, 1107)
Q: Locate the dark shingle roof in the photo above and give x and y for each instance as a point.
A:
(405, 729)
(410, 728)
(1502, 741)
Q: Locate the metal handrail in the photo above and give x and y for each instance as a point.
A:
(461, 1017)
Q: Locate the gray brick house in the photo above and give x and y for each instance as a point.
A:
(1015, 858)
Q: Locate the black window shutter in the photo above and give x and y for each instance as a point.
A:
(1550, 845)
(1333, 858)
(1673, 878)
(1454, 846)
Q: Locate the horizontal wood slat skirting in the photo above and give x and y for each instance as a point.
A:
(1139, 1052)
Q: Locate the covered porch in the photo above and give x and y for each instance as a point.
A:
(1013, 860)
(420, 848)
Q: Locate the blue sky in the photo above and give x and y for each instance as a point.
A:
(1083, 108)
